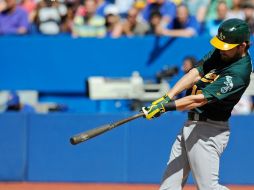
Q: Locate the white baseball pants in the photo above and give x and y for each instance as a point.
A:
(197, 149)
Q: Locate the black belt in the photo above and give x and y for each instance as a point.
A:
(196, 117)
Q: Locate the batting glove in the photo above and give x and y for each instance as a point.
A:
(157, 107)
(163, 100)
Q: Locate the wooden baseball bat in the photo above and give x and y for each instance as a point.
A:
(100, 130)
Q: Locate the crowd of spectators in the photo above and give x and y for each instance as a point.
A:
(116, 18)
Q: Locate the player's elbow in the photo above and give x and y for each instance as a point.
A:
(194, 73)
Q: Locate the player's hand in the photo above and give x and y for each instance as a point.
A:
(153, 111)
(156, 108)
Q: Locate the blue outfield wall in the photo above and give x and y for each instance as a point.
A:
(62, 64)
(36, 148)
(13, 147)
(58, 66)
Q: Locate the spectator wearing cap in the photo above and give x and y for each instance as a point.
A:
(140, 5)
(212, 25)
(14, 105)
(248, 9)
(112, 21)
(178, 2)
(87, 23)
(13, 19)
(184, 25)
(166, 8)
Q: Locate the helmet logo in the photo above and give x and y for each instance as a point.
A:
(232, 29)
(221, 36)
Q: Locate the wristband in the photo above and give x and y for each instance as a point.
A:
(170, 106)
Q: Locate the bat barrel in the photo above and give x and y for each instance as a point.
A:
(90, 134)
(100, 130)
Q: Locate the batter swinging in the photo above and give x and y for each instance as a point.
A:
(213, 89)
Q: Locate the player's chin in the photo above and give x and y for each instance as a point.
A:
(225, 58)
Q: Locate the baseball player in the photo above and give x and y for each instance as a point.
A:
(213, 89)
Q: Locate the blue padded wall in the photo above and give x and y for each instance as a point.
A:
(36, 148)
(53, 158)
(134, 153)
(13, 147)
(149, 147)
(237, 161)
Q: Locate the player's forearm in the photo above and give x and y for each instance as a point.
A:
(190, 102)
(184, 83)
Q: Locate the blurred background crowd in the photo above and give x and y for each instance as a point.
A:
(116, 18)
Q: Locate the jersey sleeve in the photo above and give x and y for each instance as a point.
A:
(223, 87)
(206, 63)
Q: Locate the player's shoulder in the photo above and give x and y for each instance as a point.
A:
(241, 69)
(244, 64)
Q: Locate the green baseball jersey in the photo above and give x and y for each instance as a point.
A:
(222, 84)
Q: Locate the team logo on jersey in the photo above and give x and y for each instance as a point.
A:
(210, 77)
(229, 85)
